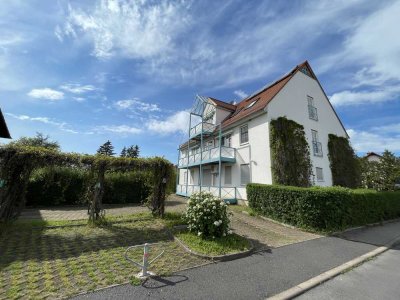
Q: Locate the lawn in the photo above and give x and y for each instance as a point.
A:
(39, 262)
(229, 244)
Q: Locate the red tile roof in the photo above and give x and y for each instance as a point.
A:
(223, 104)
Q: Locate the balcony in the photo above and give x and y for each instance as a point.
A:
(227, 193)
(317, 148)
(195, 131)
(312, 113)
(207, 156)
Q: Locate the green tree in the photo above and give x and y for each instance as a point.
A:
(106, 149)
(133, 151)
(389, 170)
(370, 174)
(123, 152)
(39, 140)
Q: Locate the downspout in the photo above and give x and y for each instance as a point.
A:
(219, 160)
(188, 154)
(201, 149)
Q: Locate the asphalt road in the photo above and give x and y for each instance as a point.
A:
(260, 275)
(376, 279)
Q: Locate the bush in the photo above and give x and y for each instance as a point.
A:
(207, 216)
(67, 186)
(326, 209)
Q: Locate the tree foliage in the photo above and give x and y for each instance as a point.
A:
(18, 163)
(106, 149)
(291, 164)
(381, 175)
(39, 140)
(344, 164)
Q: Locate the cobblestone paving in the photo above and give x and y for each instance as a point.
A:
(53, 263)
(173, 203)
(266, 234)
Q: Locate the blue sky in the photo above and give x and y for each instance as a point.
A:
(84, 72)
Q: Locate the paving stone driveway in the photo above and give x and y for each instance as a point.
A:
(173, 203)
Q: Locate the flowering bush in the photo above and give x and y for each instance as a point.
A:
(207, 216)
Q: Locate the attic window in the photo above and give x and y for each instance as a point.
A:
(305, 71)
(251, 104)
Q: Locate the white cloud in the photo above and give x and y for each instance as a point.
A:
(176, 123)
(240, 94)
(377, 141)
(61, 125)
(46, 93)
(135, 29)
(77, 88)
(135, 104)
(122, 129)
(347, 98)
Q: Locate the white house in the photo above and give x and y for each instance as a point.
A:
(372, 156)
(229, 144)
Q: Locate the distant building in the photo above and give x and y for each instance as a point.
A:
(4, 133)
(372, 156)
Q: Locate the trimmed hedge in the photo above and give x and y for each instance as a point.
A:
(323, 208)
(66, 186)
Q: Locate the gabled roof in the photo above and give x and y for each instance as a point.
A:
(223, 104)
(372, 154)
(4, 133)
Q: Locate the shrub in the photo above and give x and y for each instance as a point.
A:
(207, 216)
(318, 208)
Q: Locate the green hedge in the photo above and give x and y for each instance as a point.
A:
(66, 186)
(326, 209)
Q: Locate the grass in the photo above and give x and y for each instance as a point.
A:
(243, 208)
(229, 244)
(38, 262)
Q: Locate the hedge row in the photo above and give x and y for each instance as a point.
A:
(326, 209)
(66, 186)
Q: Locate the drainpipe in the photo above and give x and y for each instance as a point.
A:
(188, 151)
(201, 149)
(219, 161)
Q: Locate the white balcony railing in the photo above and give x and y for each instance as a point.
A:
(196, 130)
(187, 190)
(207, 155)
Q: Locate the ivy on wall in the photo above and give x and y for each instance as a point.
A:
(344, 164)
(290, 153)
(18, 163)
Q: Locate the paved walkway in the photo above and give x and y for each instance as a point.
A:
(174, 203)
(260, 275)
(376, 279)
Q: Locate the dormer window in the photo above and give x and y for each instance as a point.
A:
(251, 104)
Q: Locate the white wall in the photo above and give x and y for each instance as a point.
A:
(291, 102)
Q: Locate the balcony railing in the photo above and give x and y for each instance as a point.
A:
(208, 156)
(207, 128)
(187, 190)
(317, 148)
(312, 113)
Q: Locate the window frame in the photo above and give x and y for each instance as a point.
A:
(240, 134)
(230, 175)
(241, 174)
(321, 173)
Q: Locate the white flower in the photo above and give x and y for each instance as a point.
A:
(199, 233)
(216, 223)
(229, 231)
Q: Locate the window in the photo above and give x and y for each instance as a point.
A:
(320, 174)
(316, 145)
(226, 140)
(252, 103)
(185, 177)
(228, 175)
(244, 134)
(244, 174)
(312, 110)
(305, 71)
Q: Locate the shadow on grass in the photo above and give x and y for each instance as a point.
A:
(22, 243)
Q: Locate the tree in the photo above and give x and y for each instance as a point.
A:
(39, 140)
(123, 152)
(389, 170)
(133, 151)
(106, 149)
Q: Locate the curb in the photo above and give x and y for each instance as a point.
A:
(311, 283)
(337, 233)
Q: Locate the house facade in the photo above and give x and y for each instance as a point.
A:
(372, 156)
(229, 144)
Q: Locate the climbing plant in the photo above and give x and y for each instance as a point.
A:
(18, 163)
(290, 153)
(344, 164)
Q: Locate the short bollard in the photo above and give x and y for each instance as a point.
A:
(145, 264)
